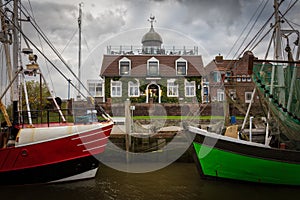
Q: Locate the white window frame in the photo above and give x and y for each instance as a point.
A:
(124, 59)
(135, 87)
(238, 78)
(248, 94)
(96, 84)
(172, 88)
(181, 60)
(220, 95)
(249, 79)
(114, 89)
(205, 92)
(148, 66)
(189, 87)
(244, 78)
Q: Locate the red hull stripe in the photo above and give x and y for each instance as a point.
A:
(94, 148)
(89, 142)
(96, 133)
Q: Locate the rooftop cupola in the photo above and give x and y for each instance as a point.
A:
(152, 41)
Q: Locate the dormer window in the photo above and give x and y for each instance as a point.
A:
(153, 67)
(181, 67)
(124, 66)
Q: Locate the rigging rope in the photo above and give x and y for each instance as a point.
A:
(39, 50)
(251, 28)
(46, 39)
(242, 31)
(37, 28)
(47, 66)
(258, 34)
(272, 25)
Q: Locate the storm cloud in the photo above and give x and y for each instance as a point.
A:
(214, 25)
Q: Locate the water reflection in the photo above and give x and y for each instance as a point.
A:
(176, 181)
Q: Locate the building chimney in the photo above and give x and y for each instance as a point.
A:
(219, 58)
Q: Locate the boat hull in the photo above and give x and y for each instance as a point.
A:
(57, 172)
(41, 157)
(222, 157)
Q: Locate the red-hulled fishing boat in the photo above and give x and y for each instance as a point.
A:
(48, 150)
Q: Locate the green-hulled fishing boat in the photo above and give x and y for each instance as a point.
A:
(278, 85)
(225, 157)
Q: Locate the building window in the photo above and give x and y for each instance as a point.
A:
(190, 89)
(181, 67)
(220, 95)
(227, 76)
(205, 92)
(153, 67)
(95, 88)
(244, 79)
(133, 89)
(248, 96)
(172, 88)
(216, 76)
(116, 89)
(238, 78)
(232, 94)
(124, 66)
(249, 78)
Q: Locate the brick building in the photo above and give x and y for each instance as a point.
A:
(229, 80)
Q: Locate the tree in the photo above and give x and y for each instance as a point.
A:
(33, 90)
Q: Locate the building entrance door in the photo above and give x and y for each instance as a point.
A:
(153, 93)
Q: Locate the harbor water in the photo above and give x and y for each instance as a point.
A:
(176, 181)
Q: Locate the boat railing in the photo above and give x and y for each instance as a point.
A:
(52, 116)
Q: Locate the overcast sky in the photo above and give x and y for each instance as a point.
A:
(212, 25)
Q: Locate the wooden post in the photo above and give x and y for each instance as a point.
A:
(127, 124)
(226, 111)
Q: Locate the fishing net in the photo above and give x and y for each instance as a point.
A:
(279, 88)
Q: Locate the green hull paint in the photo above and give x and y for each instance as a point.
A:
(219, 163)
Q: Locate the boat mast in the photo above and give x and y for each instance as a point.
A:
(15, 95)
(277, 32)
(278, 56)
(79, 51)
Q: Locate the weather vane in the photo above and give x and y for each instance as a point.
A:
(151, 20)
